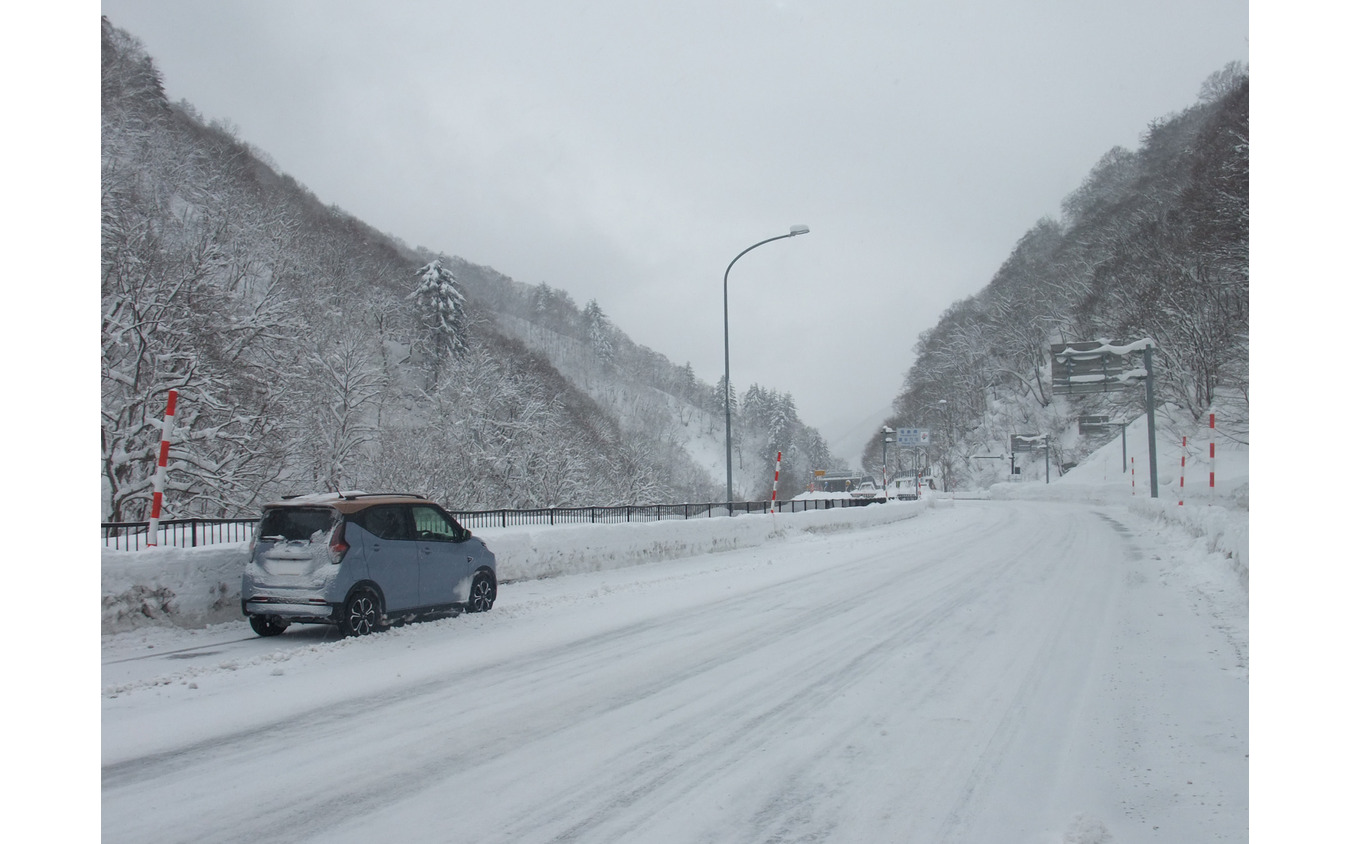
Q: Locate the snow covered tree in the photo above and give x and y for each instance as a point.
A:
(344, 387)
(189, 302)
(441, 316)
(599, 334)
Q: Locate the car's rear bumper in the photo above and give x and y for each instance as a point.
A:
(290, 608)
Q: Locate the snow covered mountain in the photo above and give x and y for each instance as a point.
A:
(312, 352)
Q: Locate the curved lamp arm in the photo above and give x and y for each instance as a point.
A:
(726, 337)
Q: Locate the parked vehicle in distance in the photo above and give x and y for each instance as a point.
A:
(846, 480)
(362, 561)
(866, 489)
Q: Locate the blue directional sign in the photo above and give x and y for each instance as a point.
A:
(911, 436)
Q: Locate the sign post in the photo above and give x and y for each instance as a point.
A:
(916, 438)
(1099, 366)
(1030, 444)
(912, 436)
(998, 457)
(1093, 424)
(1152, 426)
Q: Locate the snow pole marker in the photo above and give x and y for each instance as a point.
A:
(161, 468)
(1183, 472)
(1131, 476)
(1211, 458)
(773, 502)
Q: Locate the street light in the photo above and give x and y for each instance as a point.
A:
(946, 442)
(886, 432)
(726, 335)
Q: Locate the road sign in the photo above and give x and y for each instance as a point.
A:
(911, 436)
(1096, 366)
(1092, 424)
(1102, 366)
(1022, 443)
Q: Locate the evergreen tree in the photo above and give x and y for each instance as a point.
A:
(599, 334)
(441, 315)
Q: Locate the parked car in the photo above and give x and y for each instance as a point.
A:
(866, 490)
(362, 561)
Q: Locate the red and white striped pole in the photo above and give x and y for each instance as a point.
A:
(1183, 472)
(776, 466)
(158, 502)
(1131, 476)
(1211, 458)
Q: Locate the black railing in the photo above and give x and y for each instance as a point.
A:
(181, 533)
(190, 533)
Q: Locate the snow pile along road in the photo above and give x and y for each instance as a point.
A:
(196, 587)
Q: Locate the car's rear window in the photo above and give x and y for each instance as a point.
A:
(296, 522)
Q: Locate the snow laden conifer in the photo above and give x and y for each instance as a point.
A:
(441, 316)
(599, 334)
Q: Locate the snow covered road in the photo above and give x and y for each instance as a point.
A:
(997, 671)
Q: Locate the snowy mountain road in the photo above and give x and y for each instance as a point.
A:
(991, 672)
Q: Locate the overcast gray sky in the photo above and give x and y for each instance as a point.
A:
(627, 151)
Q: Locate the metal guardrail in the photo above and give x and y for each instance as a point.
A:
(191, 533)
(636, 513)
(181, 533)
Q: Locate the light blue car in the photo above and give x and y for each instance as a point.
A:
(362, 561)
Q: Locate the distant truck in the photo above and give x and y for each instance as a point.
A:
(846, 481)
(862, 487)
(849, 483)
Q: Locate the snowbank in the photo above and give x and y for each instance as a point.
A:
(195, 587)
(1222, 529)
(186, 587)
(1217, 517)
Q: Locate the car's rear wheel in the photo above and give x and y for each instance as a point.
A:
(267, 625)
(482, 593)
(360, 614)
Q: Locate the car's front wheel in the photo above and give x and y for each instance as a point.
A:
(360, 614)
(482, 593)
(267, 625)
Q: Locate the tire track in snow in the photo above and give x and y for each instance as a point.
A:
(431, 762)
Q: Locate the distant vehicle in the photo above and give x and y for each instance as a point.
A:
(865, 489)
(843, 481)
(362, 562)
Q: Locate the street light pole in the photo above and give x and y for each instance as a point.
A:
(946, 443)
(726, 337)
(886, 432)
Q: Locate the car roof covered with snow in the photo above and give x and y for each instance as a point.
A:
(349, 502)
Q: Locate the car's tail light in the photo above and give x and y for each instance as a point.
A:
(337, 543)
